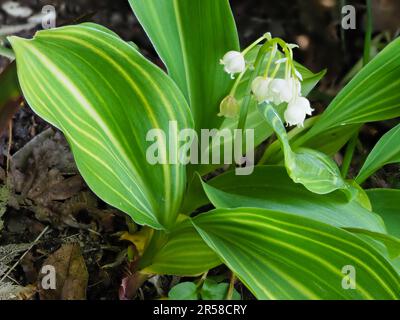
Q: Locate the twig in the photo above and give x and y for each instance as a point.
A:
(13, 280)
(10, 132)
(232, 281)
(202, 279)
(25, 253)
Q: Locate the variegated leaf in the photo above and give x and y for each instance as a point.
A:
(105, 97)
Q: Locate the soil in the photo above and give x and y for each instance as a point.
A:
(46, 193)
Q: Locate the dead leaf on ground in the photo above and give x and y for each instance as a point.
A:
(9, 291)
(44, 171)
(71, 274)
(46, 181)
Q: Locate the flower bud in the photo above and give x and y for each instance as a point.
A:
(261, 90)
(229, 107)
(234, 62)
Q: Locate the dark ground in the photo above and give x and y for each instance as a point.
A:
(48, 191)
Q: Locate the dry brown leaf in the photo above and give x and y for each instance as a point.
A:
(9, 291)
(71, 274)
(45, 180)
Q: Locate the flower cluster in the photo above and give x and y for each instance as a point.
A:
(268, 88)
(279, 91)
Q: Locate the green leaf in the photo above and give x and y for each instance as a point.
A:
(372, 95)
(328, 142)
(270, 187)
(386, 151)
(191, 37)
(94, 87)
(212, 290)
(181, 252)
(310, 79)
(282, 256)
(184, 291)
(386, 203)
(6, 52)
(108, 31)
(10, 94)
(382, 249)
(194, 196)
(313, 169)
(236, 295)
(392, 243)
(9, 84)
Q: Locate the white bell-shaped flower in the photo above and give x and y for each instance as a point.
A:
(294, 116)
(304, 104)
(284, 90)
(261, 89)
(297, 111)
(281, 91)
(233, 62)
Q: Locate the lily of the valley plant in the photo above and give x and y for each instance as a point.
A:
(290, 230)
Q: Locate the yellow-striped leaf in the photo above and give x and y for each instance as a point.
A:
(282, 256)
(191, 37)
(271, 188)
(105, 97)
(181, 252)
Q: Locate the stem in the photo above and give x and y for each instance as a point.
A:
(348, 157)
(10, 133)
(368, 34)
(232, 281)
(271, 57)
(202, 279)
(342, 32)
(276, 70)
(351, 146)
(247, 50)
(288, 54)
(237, 82)
(247, 99)
(275, 146)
